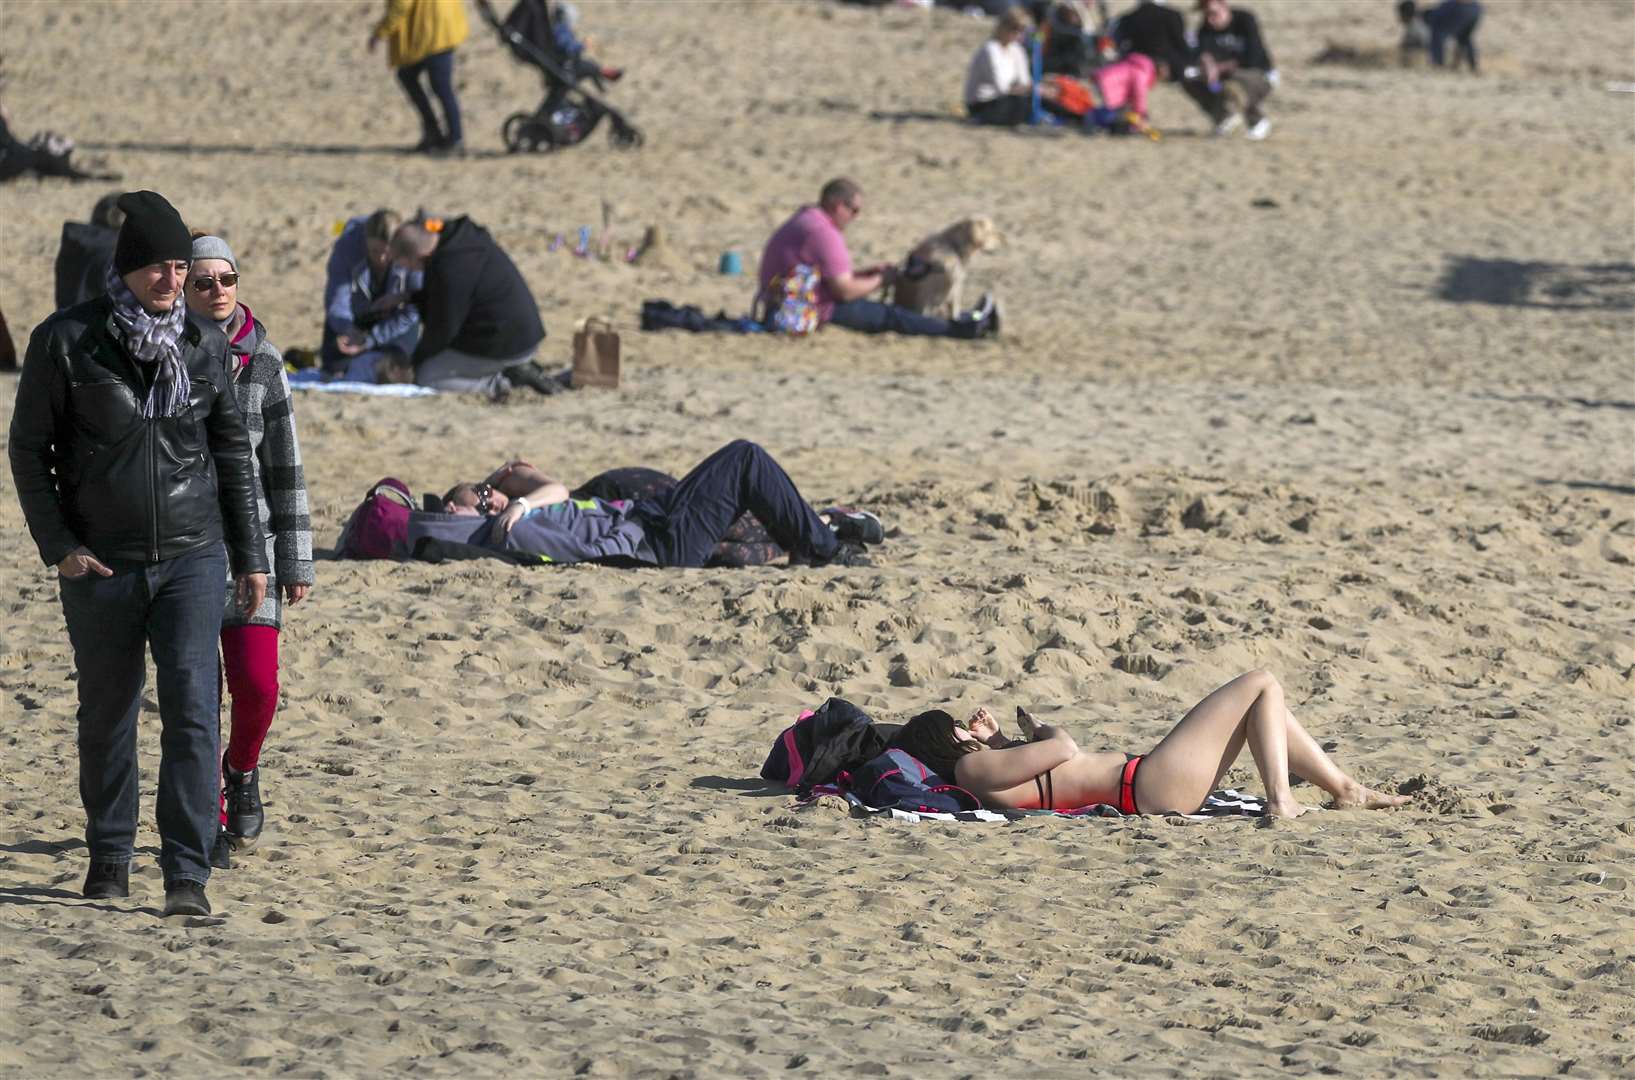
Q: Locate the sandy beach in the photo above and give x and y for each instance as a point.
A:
(1355, 404)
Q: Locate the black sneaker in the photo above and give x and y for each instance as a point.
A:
(107, 881)
(221, 852)
(986, 314)
(186, 898)
(532, 376)
(242, 794)
(857, 525)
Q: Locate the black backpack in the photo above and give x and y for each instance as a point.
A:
(83, 259)
(821, 744)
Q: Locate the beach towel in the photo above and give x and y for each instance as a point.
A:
(1226, 803)
(375, 389)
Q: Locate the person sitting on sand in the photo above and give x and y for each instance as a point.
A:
(372, 324)
(1050, 771)
(1155, 30)
(999, 80)
(679, 528)
(479, 324)
(812, 241)
(1235, 73)
(1123, 87)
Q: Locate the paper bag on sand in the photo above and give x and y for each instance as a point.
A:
(595, 354)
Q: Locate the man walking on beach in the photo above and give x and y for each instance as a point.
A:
(479, 323)
(812, 240)
(132, 465)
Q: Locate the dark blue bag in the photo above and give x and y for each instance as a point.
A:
(897, 780)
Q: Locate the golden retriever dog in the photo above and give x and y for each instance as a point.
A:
(932, 278)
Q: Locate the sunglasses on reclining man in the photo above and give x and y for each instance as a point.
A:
(485, 498)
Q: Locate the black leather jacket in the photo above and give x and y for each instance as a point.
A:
(91, 470)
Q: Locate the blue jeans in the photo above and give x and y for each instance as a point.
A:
(684, 525)
(1457, 21)
(873, 317)
(175, 608)
(440, 66)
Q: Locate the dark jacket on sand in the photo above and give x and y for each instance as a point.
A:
(91, 470)
(475, 299)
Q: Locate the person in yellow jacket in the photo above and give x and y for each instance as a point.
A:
(420, 38)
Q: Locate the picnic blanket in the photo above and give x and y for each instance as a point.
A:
(1228, 802)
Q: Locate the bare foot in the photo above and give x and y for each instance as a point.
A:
(1286, 808)
(1363, 798)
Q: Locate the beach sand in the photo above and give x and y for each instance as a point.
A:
(1354, 404)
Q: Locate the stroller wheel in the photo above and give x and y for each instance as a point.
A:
(517, 132)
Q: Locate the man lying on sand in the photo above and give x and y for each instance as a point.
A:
(680, 527)
(1049, 771)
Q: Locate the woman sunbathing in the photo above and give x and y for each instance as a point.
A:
(1050, 772)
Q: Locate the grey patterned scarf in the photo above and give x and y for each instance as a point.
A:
(153, 339)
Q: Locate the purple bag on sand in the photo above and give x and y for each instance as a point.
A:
(379, 527)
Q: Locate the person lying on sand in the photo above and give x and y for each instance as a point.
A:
(1050, 772)
(680, 527)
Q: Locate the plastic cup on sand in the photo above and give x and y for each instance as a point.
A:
(731, 263)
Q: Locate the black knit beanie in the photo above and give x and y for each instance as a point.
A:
(153, 232)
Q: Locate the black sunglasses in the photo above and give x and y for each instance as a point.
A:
(485, 495)
(205, 284)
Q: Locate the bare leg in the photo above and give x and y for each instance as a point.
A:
(1308, 761)
(1193, 757)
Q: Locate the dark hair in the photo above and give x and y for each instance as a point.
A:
(839, 190)
(107, 212)
(381, 224)
(930, 738)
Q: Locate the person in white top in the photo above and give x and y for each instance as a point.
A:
(999, 83)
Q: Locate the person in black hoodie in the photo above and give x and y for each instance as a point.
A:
(132, 465)
(1156, 31)
(86, 251)
(1235, 73)
(479, 323)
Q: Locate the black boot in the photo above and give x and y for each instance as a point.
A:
(107, 881)
(242, 793)
(221, 852)
(532, 376)
(186, 898)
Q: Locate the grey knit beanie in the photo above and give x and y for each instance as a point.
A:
(213, 247)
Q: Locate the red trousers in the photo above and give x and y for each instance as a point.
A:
(249, 657)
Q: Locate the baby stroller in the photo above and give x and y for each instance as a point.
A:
(569, 112)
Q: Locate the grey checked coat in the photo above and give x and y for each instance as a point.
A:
(263, 393)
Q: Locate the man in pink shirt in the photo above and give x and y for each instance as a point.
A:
(813, 238)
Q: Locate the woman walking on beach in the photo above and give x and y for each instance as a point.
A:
(1051, 772)
(249, 638)
(421, 36)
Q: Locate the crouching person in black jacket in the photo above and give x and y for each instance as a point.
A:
(133, 467)
(479, 324)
